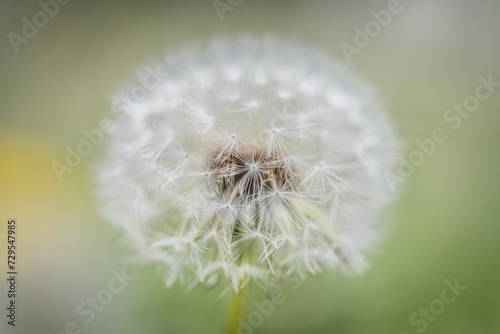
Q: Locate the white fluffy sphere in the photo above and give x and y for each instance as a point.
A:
(248, 158)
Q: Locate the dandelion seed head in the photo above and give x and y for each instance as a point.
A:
(253, 158)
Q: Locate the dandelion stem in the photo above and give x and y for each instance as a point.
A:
(235, 310)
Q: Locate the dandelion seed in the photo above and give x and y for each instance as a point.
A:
(254, 158)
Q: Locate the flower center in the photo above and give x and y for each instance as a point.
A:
(250, 174)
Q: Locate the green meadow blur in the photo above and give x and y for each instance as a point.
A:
(444, 229)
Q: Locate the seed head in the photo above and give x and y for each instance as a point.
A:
(252, 158)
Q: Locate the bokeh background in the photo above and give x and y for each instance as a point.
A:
(446, 225)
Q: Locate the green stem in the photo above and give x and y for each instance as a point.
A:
(236, 309)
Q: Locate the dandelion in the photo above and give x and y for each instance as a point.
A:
(253, 159)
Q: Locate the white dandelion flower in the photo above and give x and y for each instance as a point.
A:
(253, 158)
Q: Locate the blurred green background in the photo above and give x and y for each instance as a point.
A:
(446, 224)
